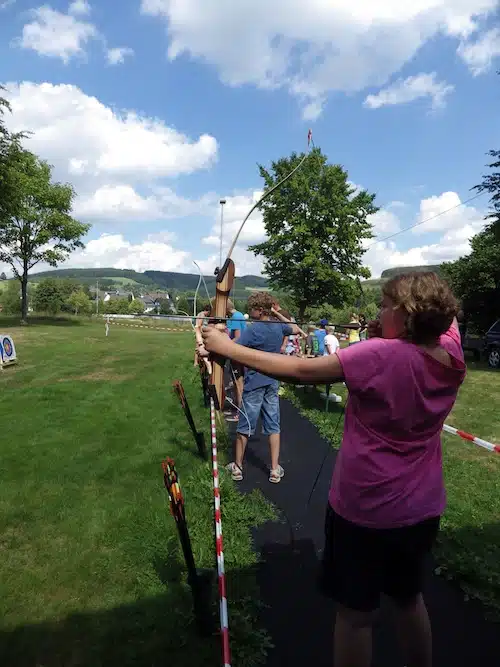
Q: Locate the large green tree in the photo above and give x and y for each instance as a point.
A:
(38, 226)
(316, 224)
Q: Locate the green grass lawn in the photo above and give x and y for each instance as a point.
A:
(90, 566)
(469, 545)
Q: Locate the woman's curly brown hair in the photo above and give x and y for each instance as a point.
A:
(428, 302)
(261, 300)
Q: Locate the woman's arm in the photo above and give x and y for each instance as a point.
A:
(292, 369)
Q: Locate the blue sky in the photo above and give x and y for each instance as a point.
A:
(156, 111)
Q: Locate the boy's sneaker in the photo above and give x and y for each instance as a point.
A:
(276, 474)
(236, 472)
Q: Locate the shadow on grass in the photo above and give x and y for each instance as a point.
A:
(7, 322)
(470, 558)
(152, 632)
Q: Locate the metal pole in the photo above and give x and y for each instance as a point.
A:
(221, 202)
(97, 300)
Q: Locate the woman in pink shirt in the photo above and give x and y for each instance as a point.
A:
(387, 493)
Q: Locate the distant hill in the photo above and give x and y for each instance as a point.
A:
(187, 282)
(390, 273)
(152, 280)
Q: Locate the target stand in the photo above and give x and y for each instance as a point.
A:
(8, 355)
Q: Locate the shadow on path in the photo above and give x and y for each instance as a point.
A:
(298, 617)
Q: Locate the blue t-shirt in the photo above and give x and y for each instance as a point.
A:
(267, 337)
(236, 322)
(320, 335)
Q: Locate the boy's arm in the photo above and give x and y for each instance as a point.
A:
(296, 330)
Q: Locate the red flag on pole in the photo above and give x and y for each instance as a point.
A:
(309, 137)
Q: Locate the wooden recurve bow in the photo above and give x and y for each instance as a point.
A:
(224, 279)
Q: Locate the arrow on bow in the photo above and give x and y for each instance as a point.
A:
(223, 284)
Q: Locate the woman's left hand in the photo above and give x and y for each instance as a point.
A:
(216, 341)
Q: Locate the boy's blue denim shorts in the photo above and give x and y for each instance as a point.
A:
(263, 401)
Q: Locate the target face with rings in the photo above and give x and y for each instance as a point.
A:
(7, 347)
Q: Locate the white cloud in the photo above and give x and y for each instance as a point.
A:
(446, 212)
(79, 8)
(479, 55)
(57, 35)
(314, 50)
(456, 226)
(113, 250)
(117, 55)
(246, 263)
(107, 153)
(385, 221)
(123, 203)
(413, 88)
(235, 210)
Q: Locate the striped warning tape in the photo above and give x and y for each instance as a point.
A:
(472, 438)
(145, 326)
(224, 621)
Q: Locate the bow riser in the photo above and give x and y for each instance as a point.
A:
(223, 286)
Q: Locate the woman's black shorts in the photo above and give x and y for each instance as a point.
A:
(361, 563)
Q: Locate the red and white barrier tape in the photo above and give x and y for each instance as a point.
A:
(145, 326)
(471, 438)
(224, 624)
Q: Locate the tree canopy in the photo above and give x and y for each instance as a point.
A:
(38, 226)
(491, 184)
(475, 279)
(316, 224)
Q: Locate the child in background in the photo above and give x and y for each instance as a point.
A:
(387, 493)
(331, 346)
(312, 343)
(320, 333)
(354, 327)
(260, 391)
(363, 327)
(331, 341)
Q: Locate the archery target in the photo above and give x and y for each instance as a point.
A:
(7, 350)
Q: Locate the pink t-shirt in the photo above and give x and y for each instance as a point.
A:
(388, 472)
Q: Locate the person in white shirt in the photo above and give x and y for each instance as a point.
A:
(331, 346)
(331, 342)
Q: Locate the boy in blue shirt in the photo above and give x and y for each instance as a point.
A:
(320, 335)
(236, 323)
(260, 392)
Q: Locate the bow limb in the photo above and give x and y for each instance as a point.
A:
(259, 202)
(224, 283)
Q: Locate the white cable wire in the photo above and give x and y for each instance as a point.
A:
(244, 411)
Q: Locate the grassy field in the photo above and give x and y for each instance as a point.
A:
(469, 546)
(90, 567)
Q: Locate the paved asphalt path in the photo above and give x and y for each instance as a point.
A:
(299, 619)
